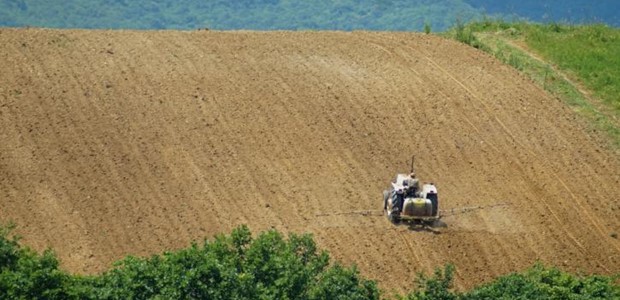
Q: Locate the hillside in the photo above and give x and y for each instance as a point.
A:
(133, 142)
(578, 64)
(390, 15)
(549, 11)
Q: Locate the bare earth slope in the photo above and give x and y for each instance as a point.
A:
(126, 142)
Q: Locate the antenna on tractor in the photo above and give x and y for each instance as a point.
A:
(412, 162)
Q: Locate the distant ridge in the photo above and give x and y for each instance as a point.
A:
(394, 15)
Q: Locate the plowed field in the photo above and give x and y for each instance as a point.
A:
(129, 142)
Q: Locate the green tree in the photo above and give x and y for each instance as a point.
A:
(25, 274)
(235, 267)
(435, 287)
(540, 282)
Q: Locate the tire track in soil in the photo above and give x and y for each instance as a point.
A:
(496, 149)
(512, 138)
(195, 133)
(400, 55)
(582, 208)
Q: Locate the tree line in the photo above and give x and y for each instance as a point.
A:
(268, 266)
(390, 15)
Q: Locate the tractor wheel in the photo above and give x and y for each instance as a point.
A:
(385, 200)
(393, 217)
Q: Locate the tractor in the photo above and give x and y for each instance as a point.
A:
(406, 201)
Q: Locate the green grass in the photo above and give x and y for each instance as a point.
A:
(591, 52)
(572, 56)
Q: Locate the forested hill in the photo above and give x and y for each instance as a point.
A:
(293, 14)
(572, 11)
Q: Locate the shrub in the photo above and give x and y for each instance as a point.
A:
(266, 267)
(540, 282)
(427, 27)
(435, 287)
(238, 267)
(25, 274)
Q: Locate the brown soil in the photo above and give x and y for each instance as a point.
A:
(136, 142)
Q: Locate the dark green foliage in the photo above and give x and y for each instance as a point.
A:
(540, 282)
(266, 267)
(228, 267)
(233, 267)
(343, 283)
(464, 34)
(25, 274)
(435, 287)
(9, 247)
(427, 27)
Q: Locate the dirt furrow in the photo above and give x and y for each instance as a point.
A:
(137, 142)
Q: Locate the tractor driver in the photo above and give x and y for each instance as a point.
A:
(412, 185)
(398, 199)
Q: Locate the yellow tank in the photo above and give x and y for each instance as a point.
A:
(417, 207)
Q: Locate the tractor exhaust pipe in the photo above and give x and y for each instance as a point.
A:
(412, 162)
